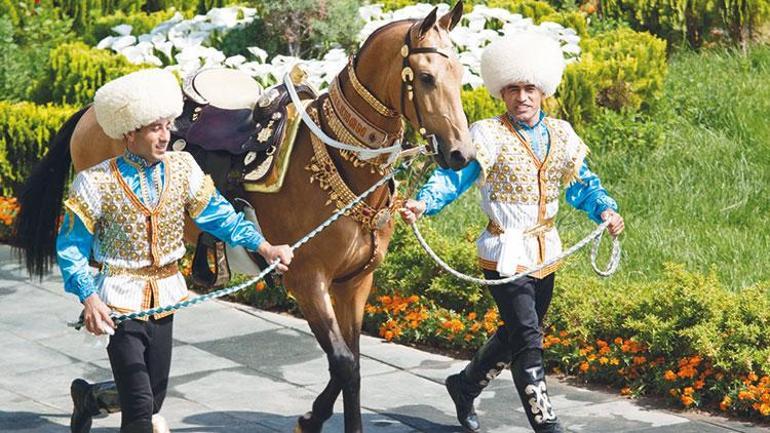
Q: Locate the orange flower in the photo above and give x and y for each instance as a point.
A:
(669, 375)
(625, 391)
(472, 315)
(603, 360)
(687, 401)
(618, 341)
(584, 367)
(688, 390)
(699, 384)
(725, 404)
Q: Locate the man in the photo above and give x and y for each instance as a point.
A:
(523, 159)
(127, 213)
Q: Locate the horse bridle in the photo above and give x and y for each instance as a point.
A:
(407, 85)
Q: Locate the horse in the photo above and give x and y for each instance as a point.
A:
(405, 70)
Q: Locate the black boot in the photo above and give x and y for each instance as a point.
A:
(529, 376)
(89, 401)
(138, 426)
(465, 386)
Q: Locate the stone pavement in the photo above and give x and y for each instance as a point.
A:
(237, 369)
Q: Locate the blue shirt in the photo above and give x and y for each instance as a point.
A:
(74, 241)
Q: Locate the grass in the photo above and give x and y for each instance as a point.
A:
(700, 197)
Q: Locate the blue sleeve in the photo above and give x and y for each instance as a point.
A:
(220, 219)
(588, 195)
(73, 249)
(445, 185)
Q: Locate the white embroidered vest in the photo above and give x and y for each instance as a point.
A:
(520, 193)
(138, 246)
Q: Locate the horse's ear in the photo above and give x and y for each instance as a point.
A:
(428, 23)
(450, 20)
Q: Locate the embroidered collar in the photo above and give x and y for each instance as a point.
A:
(524, 126)
(138, 161)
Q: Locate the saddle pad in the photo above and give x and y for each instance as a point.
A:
(273, 181)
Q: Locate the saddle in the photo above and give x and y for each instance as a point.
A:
(241, 137)
(238, 134)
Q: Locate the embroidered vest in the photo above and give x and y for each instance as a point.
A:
(520, 193)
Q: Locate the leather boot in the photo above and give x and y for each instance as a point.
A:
(465, 386)
(89, 401)
(138, 426)
(529, 377)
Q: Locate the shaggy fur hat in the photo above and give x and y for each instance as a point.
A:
(136, 100)
(526, 57)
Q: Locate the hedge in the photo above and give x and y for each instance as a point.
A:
(25, 129)
(76, 70)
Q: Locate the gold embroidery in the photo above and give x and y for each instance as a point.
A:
(364, 93)
(323, 170)
(202, 197)
(76, 205)
(146, 273)
(491, 265)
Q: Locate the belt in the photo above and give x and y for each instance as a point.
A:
(536, 230)
(147, 272)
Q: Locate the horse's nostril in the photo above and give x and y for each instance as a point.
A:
(457, 159)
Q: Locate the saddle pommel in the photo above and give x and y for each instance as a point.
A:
(298, 74)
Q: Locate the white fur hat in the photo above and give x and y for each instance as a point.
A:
(136, 100)
(527, 57)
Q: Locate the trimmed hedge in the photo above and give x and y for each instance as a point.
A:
(76, 70)
(25, 130)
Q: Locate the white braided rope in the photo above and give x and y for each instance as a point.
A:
(595, 235)
(363, 153)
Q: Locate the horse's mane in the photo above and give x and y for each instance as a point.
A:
(377, 32)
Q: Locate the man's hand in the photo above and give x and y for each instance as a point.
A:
(412, 210)
(272, 253)
(96, 315)
(616, 225)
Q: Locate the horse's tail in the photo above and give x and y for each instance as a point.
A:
(40, 201)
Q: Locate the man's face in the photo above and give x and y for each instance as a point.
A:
(523, 101)
(150, 141)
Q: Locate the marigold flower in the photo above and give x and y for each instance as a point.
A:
(699, 384)
(618, 341)
(725, 404)
(687, 401)
(688, 390)
(472, 315)
(604, 360)
(625, 391)
(669, 375)
(584, 367)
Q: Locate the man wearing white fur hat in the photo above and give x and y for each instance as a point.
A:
(127, 214)
(523, 158)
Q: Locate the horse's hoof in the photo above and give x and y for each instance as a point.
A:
(306, 424)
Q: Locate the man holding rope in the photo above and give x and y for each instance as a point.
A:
(127, 213)
(523, 158)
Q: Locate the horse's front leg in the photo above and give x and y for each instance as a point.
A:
(313, 298)
(350, 300)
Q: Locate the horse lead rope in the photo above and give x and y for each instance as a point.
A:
(595, 235)
(230, 290)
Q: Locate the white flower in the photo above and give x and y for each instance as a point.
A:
(122, 29)
(259, 53)
(121, 42)
(234, 61)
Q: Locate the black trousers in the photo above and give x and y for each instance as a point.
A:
(140, 356)
(522, 305)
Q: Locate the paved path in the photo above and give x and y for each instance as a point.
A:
(238, 369)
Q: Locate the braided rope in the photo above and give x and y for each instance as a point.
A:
(230, 290)
(595, 235)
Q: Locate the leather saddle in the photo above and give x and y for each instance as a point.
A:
(240, 136)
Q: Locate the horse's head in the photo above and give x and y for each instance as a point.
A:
(416, 67)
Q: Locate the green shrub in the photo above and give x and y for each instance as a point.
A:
(25, 129)
(620, 69)
(76, 70)
(25, 46)
(630, 133)
(535, 9)
(479, 104)
(140, 22)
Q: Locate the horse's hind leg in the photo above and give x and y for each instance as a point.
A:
(350, 300)
(315, 303)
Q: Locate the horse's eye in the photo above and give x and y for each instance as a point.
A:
(427, 79)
